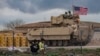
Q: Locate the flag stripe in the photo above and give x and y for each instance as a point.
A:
(80, 10)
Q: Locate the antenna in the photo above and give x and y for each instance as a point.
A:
(42, 33)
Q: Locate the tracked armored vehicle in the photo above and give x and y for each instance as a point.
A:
(65, 29)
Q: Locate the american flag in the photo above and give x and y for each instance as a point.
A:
(80, 10)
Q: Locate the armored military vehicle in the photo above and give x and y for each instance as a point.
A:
(65, 29)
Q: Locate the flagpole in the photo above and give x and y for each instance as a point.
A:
(73, 9)
(72, 6)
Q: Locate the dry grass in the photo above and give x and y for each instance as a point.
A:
(55, 52)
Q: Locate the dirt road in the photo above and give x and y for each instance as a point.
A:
(95, 41)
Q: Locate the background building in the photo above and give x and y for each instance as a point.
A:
(19, 35)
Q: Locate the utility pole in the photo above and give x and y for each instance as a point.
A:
(42, 33)
(13, 39)
(81, 41)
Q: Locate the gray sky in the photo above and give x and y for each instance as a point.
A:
(33, 6)
(36, 10)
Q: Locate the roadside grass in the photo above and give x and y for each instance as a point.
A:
(53, 52)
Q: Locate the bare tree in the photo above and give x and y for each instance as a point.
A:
(12, 24)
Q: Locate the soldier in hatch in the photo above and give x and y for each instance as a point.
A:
(65, 16)
(70, 16)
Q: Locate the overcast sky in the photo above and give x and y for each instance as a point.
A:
(34, 10)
